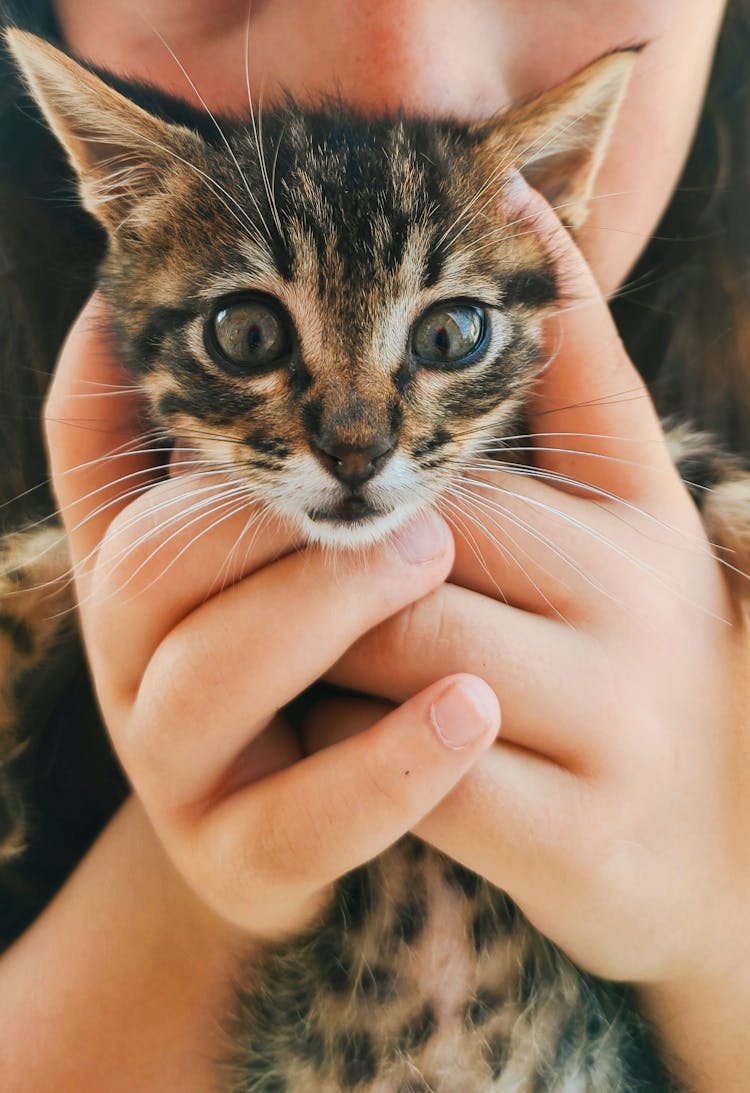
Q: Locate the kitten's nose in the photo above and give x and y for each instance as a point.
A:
(353, 464)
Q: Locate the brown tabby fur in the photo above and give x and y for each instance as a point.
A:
(420, 976)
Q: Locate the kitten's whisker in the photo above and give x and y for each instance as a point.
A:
(101, 509)
(29, 526)
(238, 508)
(500, 466)
(196, 512)
(581, 436)
(110, 386)
(248, 227)
(470, 540)
(695, 544)
(470, 499)
(257, 129)
(131, 577)
(500, 231)
(533, 448)
(505, 165)
(597, 536)
(216, 125)
(492, 505)
(135, 491)
(275, 163)
(535, 150)
(188, 503)
(142, 517)
(103, 394)
(258, 519)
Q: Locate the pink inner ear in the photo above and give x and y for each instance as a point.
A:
(565, 180)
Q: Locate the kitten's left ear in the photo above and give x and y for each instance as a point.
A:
(118, 150)
(559, 139)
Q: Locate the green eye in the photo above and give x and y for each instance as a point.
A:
(249, 334)
(449, 334)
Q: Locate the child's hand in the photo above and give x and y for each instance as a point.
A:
(615, 807)
(200, 623)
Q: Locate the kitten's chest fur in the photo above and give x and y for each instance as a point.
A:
(423, 977)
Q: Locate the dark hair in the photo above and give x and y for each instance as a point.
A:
(688, 328)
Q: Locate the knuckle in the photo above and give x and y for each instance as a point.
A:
(421, 625)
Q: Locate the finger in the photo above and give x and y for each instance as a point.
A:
(168, 552)
(227, 667)
(282, 839)
(93, 426)
(552, 680)
(592, 419)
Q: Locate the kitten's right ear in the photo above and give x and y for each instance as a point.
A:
(118, 150)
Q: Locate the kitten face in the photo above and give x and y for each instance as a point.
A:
(348, 363)
(338, 311)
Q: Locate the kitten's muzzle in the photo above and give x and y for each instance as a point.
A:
(352, 464)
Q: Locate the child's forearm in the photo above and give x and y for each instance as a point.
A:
(122, 982)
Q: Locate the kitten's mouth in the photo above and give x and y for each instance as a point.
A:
(347, 511)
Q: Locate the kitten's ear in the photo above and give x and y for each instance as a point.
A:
(559, 139)
(117, 149)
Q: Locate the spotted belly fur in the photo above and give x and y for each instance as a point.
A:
(423, 977)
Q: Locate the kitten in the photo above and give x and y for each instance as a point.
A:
(339, 313)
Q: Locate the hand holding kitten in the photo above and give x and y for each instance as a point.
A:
(192, 662)
(617, 794)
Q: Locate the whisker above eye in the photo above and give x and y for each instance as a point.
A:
(218, 128)
(256, 127)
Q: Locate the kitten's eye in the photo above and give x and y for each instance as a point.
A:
(449, 334)
(249, 334)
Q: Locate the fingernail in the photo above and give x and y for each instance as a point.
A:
(423, 539)
(463, 713)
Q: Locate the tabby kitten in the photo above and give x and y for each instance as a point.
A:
(339, 313)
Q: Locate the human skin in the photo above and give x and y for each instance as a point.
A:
(634, 795)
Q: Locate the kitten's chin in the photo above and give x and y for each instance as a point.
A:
(354, 534)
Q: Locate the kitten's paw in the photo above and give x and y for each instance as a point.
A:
(720, 486)
(36, 614)
(36, 596)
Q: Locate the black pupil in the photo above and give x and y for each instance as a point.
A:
(250, 334)
(442, 341)
(449, 334)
